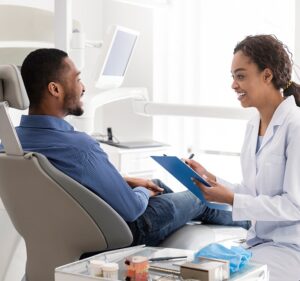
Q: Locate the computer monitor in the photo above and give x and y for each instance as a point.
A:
(117, 51)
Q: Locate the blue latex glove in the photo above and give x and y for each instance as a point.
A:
(238, 257)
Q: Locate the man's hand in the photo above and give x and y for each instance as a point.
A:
(216, 192)
(150, 185)
(199, 169)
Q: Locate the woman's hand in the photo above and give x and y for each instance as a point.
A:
(199, 169)
(216, 192)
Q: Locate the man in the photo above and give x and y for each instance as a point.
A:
(150, 208)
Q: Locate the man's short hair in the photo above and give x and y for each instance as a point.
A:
(39, 68)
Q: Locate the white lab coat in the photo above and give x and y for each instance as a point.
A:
(270, 191)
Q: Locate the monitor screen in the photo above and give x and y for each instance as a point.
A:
(117, 52)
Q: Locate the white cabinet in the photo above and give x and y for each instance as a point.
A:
(135, 162)
(24, 29)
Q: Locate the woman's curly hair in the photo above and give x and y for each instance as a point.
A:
(266, 51)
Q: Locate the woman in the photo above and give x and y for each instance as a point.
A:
(269, 194)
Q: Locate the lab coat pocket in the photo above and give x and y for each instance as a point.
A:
(272, 174)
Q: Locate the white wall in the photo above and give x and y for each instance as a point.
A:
(89, 15)
(297, 38)
(140, 70)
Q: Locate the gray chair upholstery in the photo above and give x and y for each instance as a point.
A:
(58, 218)
(195, 235)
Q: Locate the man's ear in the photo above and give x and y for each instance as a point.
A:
(54, 89)
(268, 75)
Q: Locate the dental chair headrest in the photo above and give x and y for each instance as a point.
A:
(12, 88)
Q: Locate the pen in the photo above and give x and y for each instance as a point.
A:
(167, 258)
(191, 156)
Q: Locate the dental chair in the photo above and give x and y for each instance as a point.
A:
(58, 218)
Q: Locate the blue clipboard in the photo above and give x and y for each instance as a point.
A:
(183, 173)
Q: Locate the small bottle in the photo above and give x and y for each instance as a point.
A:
(95, 268)
(137, 268)
(110, 270)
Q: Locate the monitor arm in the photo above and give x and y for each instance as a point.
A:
(151, 108)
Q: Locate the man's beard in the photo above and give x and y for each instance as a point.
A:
(70, 106)
(78, 111)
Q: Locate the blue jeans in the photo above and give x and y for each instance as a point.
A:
(169, 211)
